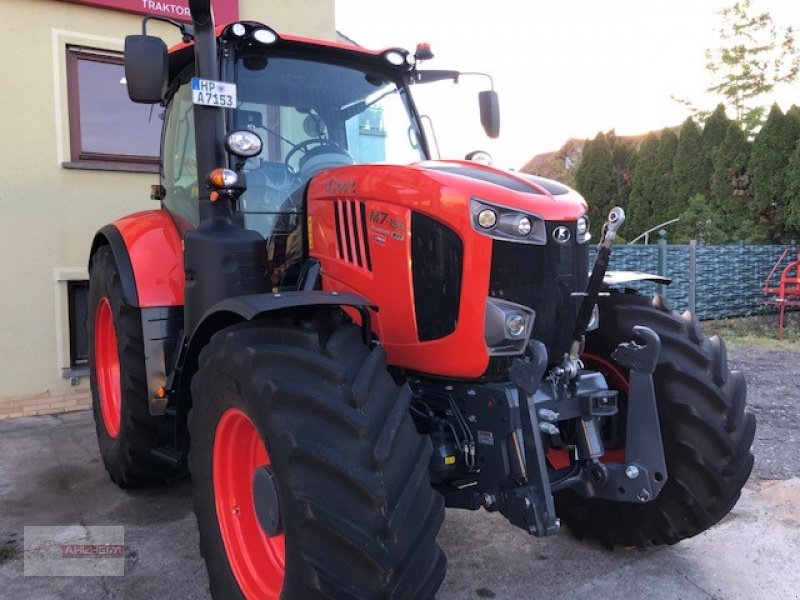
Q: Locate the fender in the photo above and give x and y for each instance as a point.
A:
(110, 236)
(240, 309)
(620, 277)
(148, 251)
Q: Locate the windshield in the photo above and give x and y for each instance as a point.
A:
(363, 115)
(314, 116)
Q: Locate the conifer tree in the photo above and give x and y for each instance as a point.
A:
(713, 133)
(772, 148)
(731, 190)
(593, 179)
(644, 188)
(667, 147)
(687, 169)
(791, 196)
(794, 112)
(698, 221)
(623, 161)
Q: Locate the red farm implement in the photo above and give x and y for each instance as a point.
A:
(786, 294)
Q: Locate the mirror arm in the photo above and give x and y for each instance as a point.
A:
(429, 76)
(187, 31)
(476, 73)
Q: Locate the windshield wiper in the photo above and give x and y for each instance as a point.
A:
(358, 107)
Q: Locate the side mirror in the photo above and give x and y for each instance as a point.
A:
(490, 112)
(146, 68)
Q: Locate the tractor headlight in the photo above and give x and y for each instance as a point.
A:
(508, 224)
(487, 218)
(516, 324)
(582, 229)
(243, 143)
(507, 327)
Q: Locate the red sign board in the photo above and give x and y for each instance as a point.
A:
(225, 11)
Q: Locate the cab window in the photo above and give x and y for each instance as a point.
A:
(179, 176)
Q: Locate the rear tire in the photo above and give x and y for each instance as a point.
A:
(357, 511)
(706, 431)
(126, 431)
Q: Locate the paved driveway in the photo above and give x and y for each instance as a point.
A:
(50, 474)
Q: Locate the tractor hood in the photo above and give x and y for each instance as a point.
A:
(403, 235)
(547, 198)
(434, 186)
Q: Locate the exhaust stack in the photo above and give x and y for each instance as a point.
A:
(209, 120)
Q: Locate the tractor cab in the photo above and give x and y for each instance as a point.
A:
(314, 107)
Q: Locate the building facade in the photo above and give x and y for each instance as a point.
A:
(79, 155)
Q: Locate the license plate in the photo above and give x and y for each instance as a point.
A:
(213, 93)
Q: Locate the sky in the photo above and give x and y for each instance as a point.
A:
(563, 69)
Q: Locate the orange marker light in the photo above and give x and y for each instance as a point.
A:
(161, 392)
(223, 178)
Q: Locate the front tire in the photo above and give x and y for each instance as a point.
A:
(358, 517)
(706, 431)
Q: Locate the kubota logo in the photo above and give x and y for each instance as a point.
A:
(561, 234)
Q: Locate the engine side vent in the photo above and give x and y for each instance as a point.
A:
(352, 242)
(436, 267)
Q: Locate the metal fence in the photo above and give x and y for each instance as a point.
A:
(718, 281)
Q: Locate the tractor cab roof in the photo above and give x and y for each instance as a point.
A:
(182, 54)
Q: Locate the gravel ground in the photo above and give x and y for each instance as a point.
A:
(773, 395)
(51, 474)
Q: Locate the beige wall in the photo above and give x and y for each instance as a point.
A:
(48, 214)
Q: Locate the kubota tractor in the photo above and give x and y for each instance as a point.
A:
(339, 337)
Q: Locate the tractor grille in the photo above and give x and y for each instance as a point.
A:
(543, 278)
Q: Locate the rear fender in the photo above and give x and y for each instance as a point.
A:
(110, 236)
(148, 250)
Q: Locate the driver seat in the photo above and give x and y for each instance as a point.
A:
(312, 164)
(322, 158)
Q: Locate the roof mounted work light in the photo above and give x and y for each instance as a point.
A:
(265, 36)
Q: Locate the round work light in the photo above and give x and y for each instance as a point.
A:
(244, 143)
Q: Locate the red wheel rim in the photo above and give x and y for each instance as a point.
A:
(258, 561)
(106, 361)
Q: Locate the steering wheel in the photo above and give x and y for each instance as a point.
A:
(307, 146)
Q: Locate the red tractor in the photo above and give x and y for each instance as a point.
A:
(337, 350)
